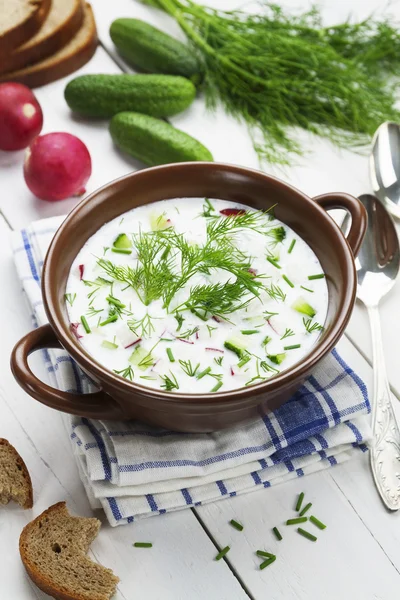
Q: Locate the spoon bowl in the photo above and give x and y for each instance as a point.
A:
(385, 166)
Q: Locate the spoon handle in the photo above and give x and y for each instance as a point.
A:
(385, 444)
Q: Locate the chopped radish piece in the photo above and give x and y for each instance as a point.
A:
(186, 341)
(81, 271)
(272, 327)
(215, 350)
(232, 212)
(133, 343)
(74, 329)
(232, 371)
(197, 335)
(252, 272)
(217, 319)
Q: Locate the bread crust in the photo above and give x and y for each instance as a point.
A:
(23, 31)
(26, 55)
(61, 67)
(24, 470)
(37, 578)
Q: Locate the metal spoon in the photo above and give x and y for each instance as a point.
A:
(377, 267)
(385, 166)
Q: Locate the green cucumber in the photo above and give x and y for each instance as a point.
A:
(148, 49)
(277, 359)
(155, 142)
(122, 242)
(303, 307)
(104, 96)
(236, 345)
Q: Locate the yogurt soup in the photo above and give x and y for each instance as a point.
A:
(196, 296)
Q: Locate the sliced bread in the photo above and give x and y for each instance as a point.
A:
(53, 549)
(20, 20)
(77, 52)
(15, 482)
(63, 21)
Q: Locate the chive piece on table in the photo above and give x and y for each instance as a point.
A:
(277, 533)
(317, 522)
(204, 373)
(307, 289)
(143, 545)
(292, 347)
(273, 262)
(111, 319)
(222, 553)
(216, 387)
(305, 509)
(85, 324)
(291, 246)
(121, 250)
(265, 554)
(170, 355)
(249, 331)
(319, 276)
(236, 525)
(299, 501)
(267, 562)
(288, 281)
(296, 521)
(307, 534)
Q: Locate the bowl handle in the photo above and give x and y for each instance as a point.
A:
(97, 405)
(357, 212)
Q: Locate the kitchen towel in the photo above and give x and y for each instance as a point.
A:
(133, 470)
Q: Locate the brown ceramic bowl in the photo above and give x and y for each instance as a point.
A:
(122, 399)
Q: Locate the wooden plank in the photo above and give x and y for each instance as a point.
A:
(174, 569)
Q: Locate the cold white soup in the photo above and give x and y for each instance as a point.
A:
(196, 295)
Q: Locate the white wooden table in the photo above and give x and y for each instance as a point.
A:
(357, 557)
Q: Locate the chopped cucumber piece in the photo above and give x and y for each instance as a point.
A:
(122, 242)
(141, 358)
(303, 307)
(159, 222)
(109, 345)
(236, 345)
(277, 359)
(266, 340)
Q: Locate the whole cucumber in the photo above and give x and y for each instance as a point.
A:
(155, 142)
(149, 49)
(104, 96)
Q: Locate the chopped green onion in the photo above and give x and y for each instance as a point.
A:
(115, 302)
(111, 319)
(307, 534)
(265, 554)
(307, 289)
(121, 250)
(170, 355)
(204, 373)
(243, 361)
(291, 246)
(266, 340)
(249, 331)
(85, 324)
(288, 281)
(319, 276)
(273, 262)
(143, 545)
(236, 525)
(317, 522)
(109, 345)
(296, 521)
(267, 562)
(306, 509)
(277, 533)
(166, 340)
(216, 387)
(222, 553)
(293, 347)
(299, 501)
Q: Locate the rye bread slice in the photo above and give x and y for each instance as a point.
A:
(20, 20)
(53, 549)
(62, 23)
(15, 481)
(77, 52)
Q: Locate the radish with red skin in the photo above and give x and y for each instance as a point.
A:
(81, 271)
(21, 118)
(57, 166)
(74, 329)
(215, 350)
(133, 343)
(232, 212)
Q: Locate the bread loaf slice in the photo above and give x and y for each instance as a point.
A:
(63, 21)
(77, 52)
(15, 482)
(20, 20)
(53, 550)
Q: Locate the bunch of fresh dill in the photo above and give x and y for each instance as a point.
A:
(277, 71)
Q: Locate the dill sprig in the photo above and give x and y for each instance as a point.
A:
(288, 333)
(275, 293)
(188, 368)
(187, 334)
(219, 360)
(70, 298)
(142, 327)
(126, 373)
(310, 326)
(208, 210)
(179, 318)
(277, 71)
(169, 383)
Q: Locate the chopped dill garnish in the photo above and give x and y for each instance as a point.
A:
(148, 377)
(188, 368)
(105, 250)
(92, 312)
(126, 373)
(70, 298)
(275, 293)
(180, 318)
(142, 327)
(187, 334)
(288, 333)
(170, 383)
(278, 234)
(208, 209)
(310, 326)
(218, 360)
(211, 329)
(268, 314)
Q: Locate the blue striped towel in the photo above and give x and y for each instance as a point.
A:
(133, 470)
